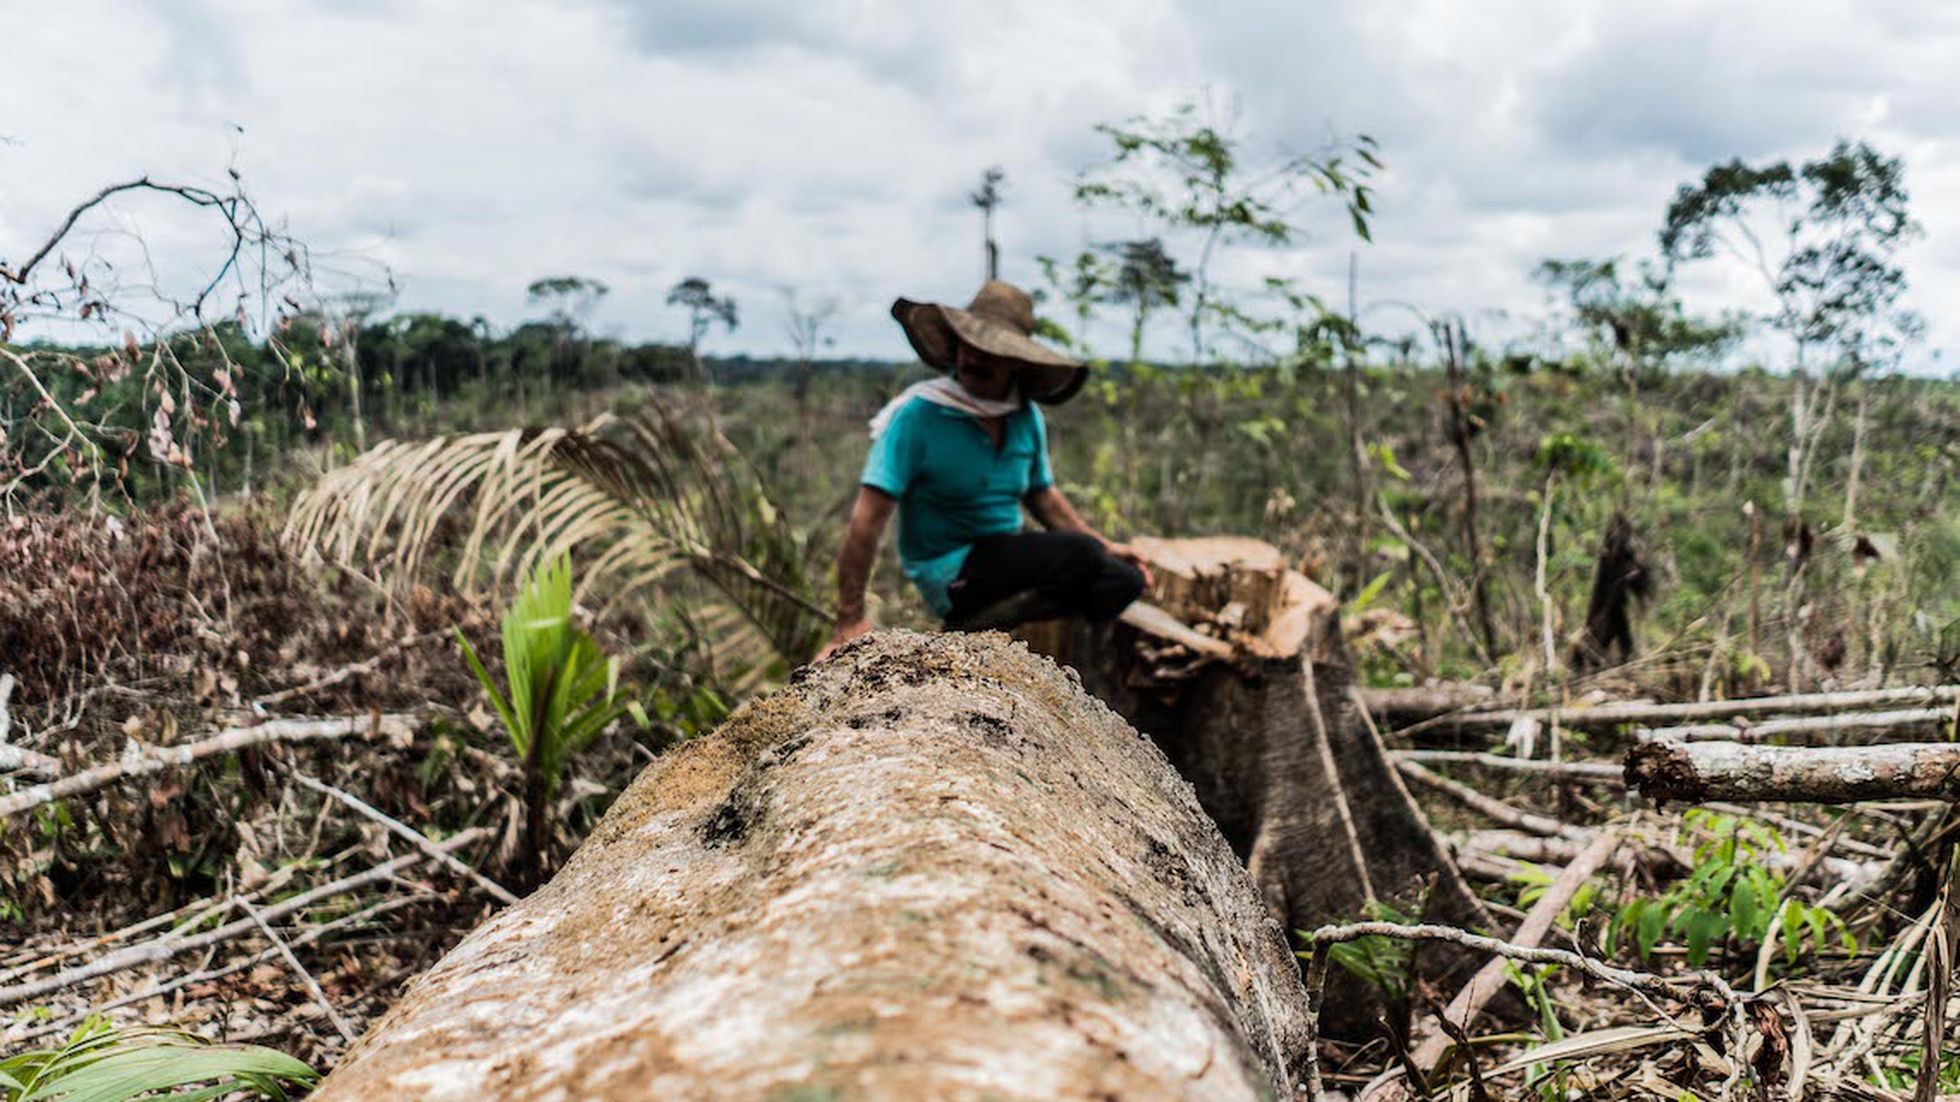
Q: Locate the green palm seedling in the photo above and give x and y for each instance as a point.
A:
(101, 1063)
(563, 691)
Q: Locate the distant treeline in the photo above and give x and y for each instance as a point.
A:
(346, 383)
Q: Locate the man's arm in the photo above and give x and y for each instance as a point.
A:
(869, 514)
(1055, 513)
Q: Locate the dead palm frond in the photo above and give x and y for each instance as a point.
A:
(648, 505)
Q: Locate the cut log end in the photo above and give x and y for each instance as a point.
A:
(1663, 771)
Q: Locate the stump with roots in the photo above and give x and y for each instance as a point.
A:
(1281, 755)
(931, 868)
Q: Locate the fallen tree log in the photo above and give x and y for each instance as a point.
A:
(1648, 714)
(1398, 707)
(932, 868)
(1808, 730)
(1281, 755)
(1693, 772)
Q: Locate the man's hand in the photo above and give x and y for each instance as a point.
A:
(847, 630)
(1130, 554)
(868, 516)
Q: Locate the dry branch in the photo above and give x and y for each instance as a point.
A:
(299, 971)
(1495, 809)
(346, 673)
(1807, 729)
(1470, 1001)
(1678, 985)
(1599, 773)
(205, 975)
(157, 759)
(1651, 714)
(1394, 706)
(408, 834)
(1695, 772)
(164, 948)
(19, 758)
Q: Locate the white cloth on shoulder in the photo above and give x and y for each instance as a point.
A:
(946, 391)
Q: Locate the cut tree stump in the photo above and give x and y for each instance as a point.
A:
(1280, 754)
(1699, 771)
(932, 868)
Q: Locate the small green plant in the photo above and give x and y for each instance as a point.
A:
(1383, 963)
(564, 691)
(102, 1063)
(1730, 895)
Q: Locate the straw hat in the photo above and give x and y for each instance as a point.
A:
(1000, 322)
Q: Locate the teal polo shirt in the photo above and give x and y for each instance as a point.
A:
(953, 486)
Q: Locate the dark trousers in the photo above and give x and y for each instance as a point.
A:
(1012, 579)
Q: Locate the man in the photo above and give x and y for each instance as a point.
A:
(958, 458)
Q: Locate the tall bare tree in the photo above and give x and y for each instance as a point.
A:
(988, 197)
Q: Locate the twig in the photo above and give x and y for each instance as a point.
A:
(1813, 729)
(1603, 774)
(1317, 959)
(1558, 895)
(407, 833)
(163, 949)
(1640, 982)
(159, 759)
(329, 680)
(306, 937)
(1494, 809)
(1650, 714)
(1470, 1001)
(305, 977)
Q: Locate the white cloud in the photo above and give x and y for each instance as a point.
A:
(829, 145)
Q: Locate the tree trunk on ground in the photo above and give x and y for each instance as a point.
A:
(932, 868)
(1694, 772)
(1278, 751)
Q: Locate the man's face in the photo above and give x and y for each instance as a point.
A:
(982, 375)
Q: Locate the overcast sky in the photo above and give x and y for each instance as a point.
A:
(828, 145)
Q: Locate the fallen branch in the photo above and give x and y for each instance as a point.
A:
(1808, 729)
(160, 758)
(1496, 810)
(1695, 772)
(165, 948)
(329, 680)
(19, 758)
(1487, 848)
(1470, 1001)
(1651, 714)
(1642, 982)
(1599, 773)
(22, 760)
(407, 833)
(305, 978)
(1393, 706)
(177, 983)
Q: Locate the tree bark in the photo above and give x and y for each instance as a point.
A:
(1700, 771)
(1280, 755)
(932, 868)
